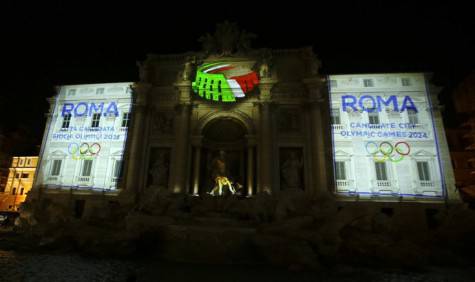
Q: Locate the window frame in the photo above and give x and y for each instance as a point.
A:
(377, 172)
(52, 171)
(339, 164)
(335, 114)
(411, 114)
(85, 168)
(126, 118)
(405, 81)
(373, 114)
(427, 173)
(96, 120)
(368, 82)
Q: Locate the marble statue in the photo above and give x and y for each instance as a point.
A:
(159, 171)
(219, 175)
(292, 171)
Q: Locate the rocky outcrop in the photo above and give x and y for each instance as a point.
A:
(287, 229)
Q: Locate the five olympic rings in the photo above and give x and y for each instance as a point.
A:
(84, 149)
(386, 151)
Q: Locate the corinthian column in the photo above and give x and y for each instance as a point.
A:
(136, 140)
(321, 155)
(182, 138)
(196, 164)
(251, 143)
(265, 132)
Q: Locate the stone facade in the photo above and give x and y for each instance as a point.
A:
(286, 114)
(275, 139)
(18, 183)
(277, 147)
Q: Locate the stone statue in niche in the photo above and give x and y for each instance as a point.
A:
(291, 170)
(219, 175)
(163, 123)
(159, 168)
(289, 121)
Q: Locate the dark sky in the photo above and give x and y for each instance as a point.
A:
(58, 43)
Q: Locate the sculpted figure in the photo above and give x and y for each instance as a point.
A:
(219, 175)
(159, 171)
(292, 171)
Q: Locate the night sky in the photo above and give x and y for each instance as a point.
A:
(47, 45)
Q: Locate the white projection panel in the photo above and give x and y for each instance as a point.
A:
(384, 139)
(84, 141)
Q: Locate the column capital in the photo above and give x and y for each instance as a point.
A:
(317, 89)
(265, 87)
(140, 91)
(184, 91)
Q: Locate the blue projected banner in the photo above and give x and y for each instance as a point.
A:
(384, 139)
(85, 138)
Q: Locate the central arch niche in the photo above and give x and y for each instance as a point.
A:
(229, 135)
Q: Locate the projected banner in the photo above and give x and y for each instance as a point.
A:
(224, 81)
(384, 141)
(85, 139)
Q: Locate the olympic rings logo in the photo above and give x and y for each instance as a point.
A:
(386, 151)
(84, 150)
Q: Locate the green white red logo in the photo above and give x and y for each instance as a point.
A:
(224, 82)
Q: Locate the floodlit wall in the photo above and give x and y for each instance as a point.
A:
(84, 141)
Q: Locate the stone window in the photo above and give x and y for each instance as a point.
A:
(340, 170)
(368, 82)
(406, 82)
(373, 117)
(423, 171)
(126, 120)
(55, 170)
(117, 169)
(86, 168)
(381, 171)
(96, 118)
(412, 116)
(335, 116)
(66, 121)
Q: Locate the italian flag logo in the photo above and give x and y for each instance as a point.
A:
(223, 82)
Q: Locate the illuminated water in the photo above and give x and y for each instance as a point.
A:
(16, 266)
